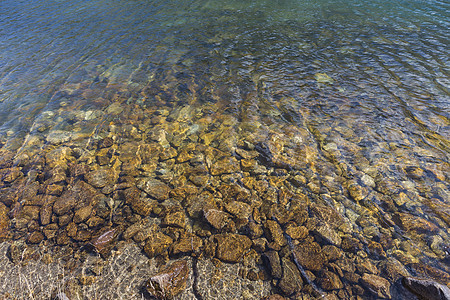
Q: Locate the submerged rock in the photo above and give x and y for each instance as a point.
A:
(232, 247)
(427, 289)
(169, 282)
(378, 285)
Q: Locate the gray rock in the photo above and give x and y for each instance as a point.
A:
(427, 289)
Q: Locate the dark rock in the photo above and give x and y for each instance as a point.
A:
(427, 289)
(291, 280)
(350, 244)
(105, 143)
(392, 269)
(378, 285)
(169, 282)
(330, 281)
(232, 247)
(273, 262)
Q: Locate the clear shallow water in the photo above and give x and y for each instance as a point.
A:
(367, 82)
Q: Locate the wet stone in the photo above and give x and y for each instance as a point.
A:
(176, 219)
(35, 237)
(273, 262)
(225, 165)
(82, 214)
(427, 289)
(156, 244)
(413, 223)
(100, 178)
(169, 282)
(155, 188)
(218, 219)
(378, 285)
(275, 233)
(310, 256)
(291, 280)
(231, 247)
(330, 281)
(188, 243)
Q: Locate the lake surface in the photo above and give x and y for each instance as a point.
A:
(261, 111)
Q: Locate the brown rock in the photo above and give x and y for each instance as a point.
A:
(392, 269)
(274, 297)
(310, 256)
(157, 244)
(217, 218)
(225, 165)
(414, 223)
(35, 238)
(275, 233)
(231, 247)
(155, 188)
(378, 285)
(296, 232)
(291, 281)
(169, 282)
(4, 221)
(188, 243)
(64, 204)
(82, 214)
(350, 244)
(101, 177)
(332, 252)
(29, 212)
(239, 209)
(176, 219)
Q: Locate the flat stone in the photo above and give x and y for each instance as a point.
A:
(155, 188)
(100, 178)
(169, 282)
(392, 269)
(328, 234)
(35, 238)
(232, 247)
(378, 285)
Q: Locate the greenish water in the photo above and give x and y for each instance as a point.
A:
(353, 92)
